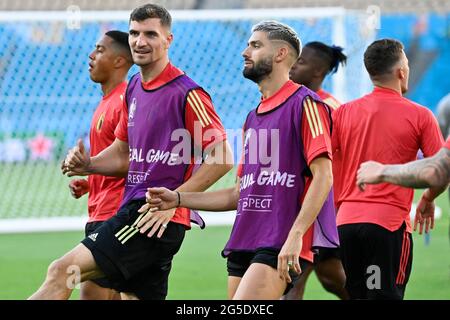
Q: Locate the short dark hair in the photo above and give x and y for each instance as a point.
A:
(151, 10)
(331, 55)
(381, 56)
(278, 31)
(120, 39)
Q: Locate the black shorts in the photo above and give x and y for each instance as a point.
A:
(131, 261)
(239, 261)
(377, 262)
(324, 254)
(90, 228)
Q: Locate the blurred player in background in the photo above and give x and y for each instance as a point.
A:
(374, 226)
(443, 115)
(134, 250)
(316, 61)
(276, 202)
(109, 64)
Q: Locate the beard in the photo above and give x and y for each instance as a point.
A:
(259, 71)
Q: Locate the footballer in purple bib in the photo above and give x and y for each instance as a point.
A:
(284, 180)
(152, 158)
(270, 194)
(155, 137)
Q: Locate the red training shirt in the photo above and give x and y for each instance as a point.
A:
(337, 179)
(328, 99)
(386, 127)
(105, 193)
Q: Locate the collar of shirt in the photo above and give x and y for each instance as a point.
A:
(322, 92)
(116, 88)
(382, 90)
(169, 73)
(278, 98)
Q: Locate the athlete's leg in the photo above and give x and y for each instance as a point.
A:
(128, 296)
(260, 282)
(298, 289)
(353, 261)
(233, 284)
(332, 277)
(64, 274)
(92, 291)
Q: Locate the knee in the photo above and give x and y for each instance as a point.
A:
(332, 285)
(57, 269)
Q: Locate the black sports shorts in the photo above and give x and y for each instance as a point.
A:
(131, 261)
(239, 261)
(324, 254)
(90, 230)
(377, 262)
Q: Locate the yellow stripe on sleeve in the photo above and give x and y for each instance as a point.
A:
(319, 121)
(313, 116)
(195, 110)
(332, 103)
(311, 126)
(202, 108)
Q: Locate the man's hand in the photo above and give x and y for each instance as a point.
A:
(155, 220)
(424, 214)
(78, 187)
(369, 172)
(159, 199)
(77, 161)
(288, 258)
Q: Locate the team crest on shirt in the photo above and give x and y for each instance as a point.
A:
(132, 109)
(100, 121)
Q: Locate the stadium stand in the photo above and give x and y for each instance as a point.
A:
(43, 76)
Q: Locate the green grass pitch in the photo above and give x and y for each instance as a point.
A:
(199, 272)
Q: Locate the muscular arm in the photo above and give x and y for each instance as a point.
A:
(315, 196)
(190, 192)
(312, 203)
(431, 172)
(221, 200)
(112, 161)
(218, 162)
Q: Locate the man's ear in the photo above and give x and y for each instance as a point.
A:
(401, 73)
(282, 53)
(119, 62)
(169, 40)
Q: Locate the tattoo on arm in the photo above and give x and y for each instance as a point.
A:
(430, 172)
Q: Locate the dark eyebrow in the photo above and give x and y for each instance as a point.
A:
(148, 33)
(100, 46)
(255, 42)
(151, 33)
